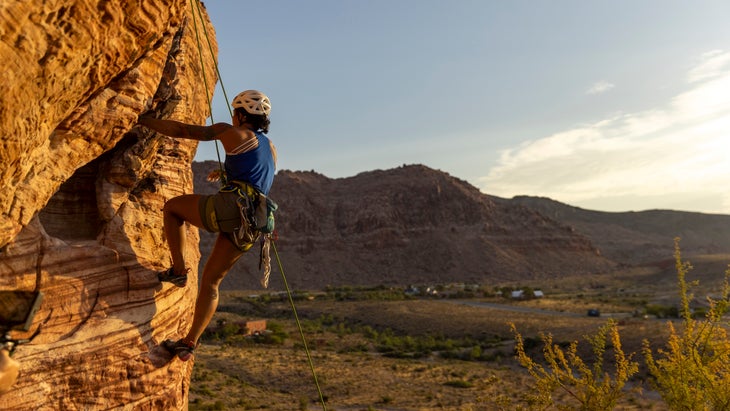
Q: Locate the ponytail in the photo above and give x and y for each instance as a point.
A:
(259, 122)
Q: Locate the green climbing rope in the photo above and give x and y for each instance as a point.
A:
(205, 79)
(215, 62)
(273, 244)
(299, 325)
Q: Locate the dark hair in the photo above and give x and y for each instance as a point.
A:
(259, 121)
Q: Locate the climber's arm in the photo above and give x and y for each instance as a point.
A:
(174, 128)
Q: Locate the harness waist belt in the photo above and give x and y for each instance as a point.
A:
(241, 188)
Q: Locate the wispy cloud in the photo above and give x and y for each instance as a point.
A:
(713, 64)
(669, 153)
(600, 87)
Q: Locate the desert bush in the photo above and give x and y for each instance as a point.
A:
(476, 352)
(356, 348)
(386, 399)
(693, 371)
(377, 293)
(276, 334)
(591, 388)
(468, 353)
(459, 384)
(221, 332)
(407, 346)
(462, 295)
(228, 330)
(699, 312)
(662, 311)
(204, 390)
(303, 403)
(199, 406)
(369, 332)
(341, 329)
(506, 291)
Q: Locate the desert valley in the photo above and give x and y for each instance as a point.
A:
(406, 282)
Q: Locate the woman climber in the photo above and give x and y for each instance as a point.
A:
(250, 166)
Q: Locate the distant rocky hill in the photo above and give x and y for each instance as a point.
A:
(406, 225)
(641, 237)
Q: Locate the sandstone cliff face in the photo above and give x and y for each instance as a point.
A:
(82, 192)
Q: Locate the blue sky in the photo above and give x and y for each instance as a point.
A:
(612, 106)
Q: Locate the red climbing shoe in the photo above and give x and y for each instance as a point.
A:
(182, 349)
(169, 276)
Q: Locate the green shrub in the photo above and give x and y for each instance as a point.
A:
(693, 371)
(662, 311)
(592, 388)
(386, 399)
(275, 336)
(459, 384)
(303, 403)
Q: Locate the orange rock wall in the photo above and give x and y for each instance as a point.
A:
(82, 193)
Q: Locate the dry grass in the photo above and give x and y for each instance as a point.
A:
(247, 376)
(354, 376)
(279, 378)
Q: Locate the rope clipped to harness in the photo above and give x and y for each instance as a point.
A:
(265, 258)
(256, 222)
(267, 229)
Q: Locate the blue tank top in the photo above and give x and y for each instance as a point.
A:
(255, 167)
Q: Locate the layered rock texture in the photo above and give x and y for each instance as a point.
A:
(82, 193)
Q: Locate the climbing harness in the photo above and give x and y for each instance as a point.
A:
(269, 206)
(256, 220)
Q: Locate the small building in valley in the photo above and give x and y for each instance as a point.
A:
(254, 327)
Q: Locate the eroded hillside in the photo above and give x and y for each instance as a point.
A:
(409, 225)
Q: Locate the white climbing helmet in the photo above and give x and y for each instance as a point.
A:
(253, 101)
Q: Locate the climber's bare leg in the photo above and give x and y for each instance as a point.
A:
(175, 213)
(221, 259)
